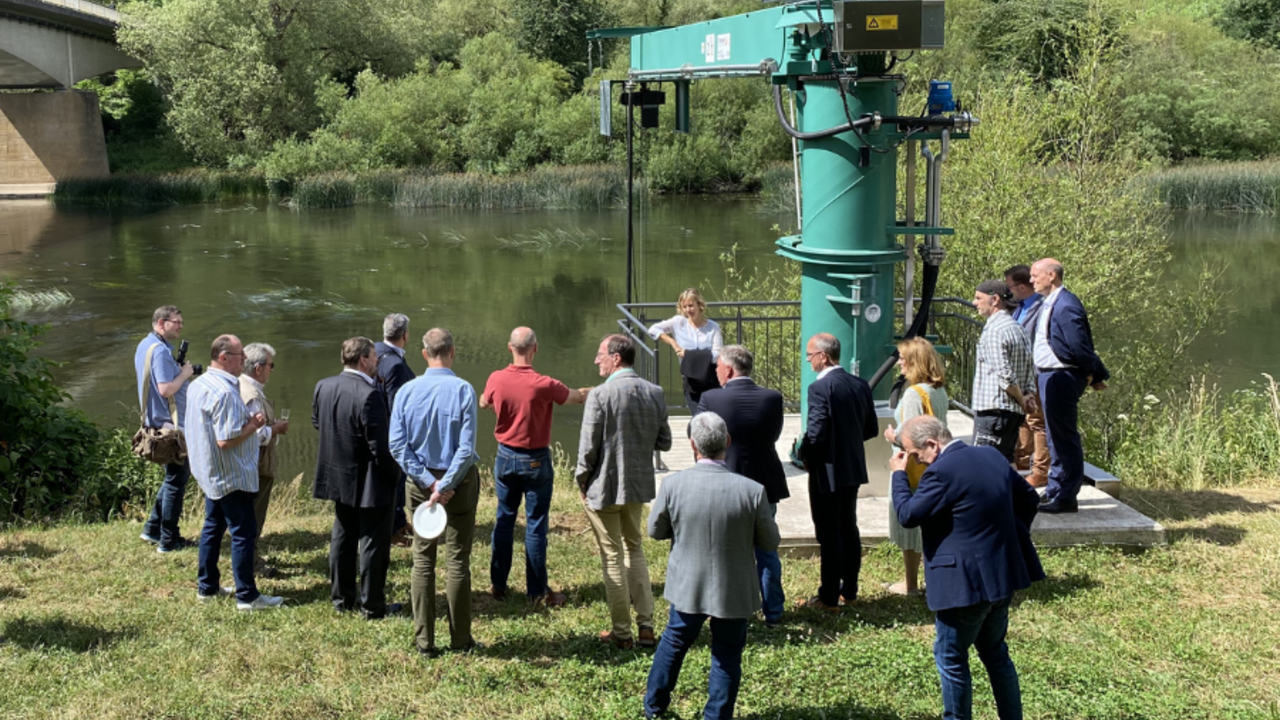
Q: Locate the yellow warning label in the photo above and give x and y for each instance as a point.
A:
(882, 22)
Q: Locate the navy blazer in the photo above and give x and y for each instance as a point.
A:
(753, 415)
(1071, 338)
(353, 463)
(842, 416)
(393, 371)
(974, 513)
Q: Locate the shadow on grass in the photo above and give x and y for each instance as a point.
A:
(1056, 587)
(61, 633)
(1180, 506)
(7, 593)
(849, 710)
(25, 550)
(1215, 534)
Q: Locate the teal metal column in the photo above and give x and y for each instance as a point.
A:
(846, 252)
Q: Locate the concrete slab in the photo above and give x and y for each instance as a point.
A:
(1102, 520)
(26, 190)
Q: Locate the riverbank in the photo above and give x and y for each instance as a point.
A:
(1110, 633)
(1245, 187)
(583, 187)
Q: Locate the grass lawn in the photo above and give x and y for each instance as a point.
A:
(96, 624)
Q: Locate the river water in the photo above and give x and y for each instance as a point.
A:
(303, 282)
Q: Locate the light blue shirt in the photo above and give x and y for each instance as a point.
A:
(216, 413)
(433, 426)
(163, 369)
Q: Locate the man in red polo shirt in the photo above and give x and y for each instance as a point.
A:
(523, 401)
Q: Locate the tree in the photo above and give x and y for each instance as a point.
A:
(556, 30)
(1257, 21)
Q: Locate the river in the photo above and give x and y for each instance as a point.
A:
(303, 282)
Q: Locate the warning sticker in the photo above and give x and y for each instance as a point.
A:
(882, 22)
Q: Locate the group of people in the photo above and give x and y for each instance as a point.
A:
(388, 437)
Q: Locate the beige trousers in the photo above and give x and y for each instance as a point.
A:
(618, 532)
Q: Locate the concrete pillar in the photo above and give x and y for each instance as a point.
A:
(47, 137)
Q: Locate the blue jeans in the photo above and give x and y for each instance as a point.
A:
(769, 569)
(234, 511)
(982, 626)
(522, 474)
(167, 510)
(728, 638)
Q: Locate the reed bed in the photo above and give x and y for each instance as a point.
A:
(187, 187)
(21, 301)
(551, 188)
(1249, 187)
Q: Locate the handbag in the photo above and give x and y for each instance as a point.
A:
(915, 468)
(164, 446)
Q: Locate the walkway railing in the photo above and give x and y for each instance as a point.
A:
(771, 330)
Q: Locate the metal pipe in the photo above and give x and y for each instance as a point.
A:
(817, 134)
(795, 165)
(909, 271)
(689, 71)
(631, 120)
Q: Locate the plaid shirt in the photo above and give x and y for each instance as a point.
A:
(1004, 359)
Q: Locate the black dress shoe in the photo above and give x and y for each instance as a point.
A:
(392, 609)
(1057, 507)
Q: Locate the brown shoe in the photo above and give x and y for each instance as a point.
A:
(1037, 481)
(815, 603)
(403, 537)
(607, 636)
(497, 594)
(645, 637)
(551, 599)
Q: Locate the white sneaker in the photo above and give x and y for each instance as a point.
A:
(222, 593)
(262, 602)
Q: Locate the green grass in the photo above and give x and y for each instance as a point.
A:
(1248, 187)
(95, 624)
(27, 300)
(553, 188)
(180, 188)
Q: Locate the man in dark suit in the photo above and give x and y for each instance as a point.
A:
(753, 415)
(1033, 445)
(974, 513)
(1067, 366)
(393, 373)
(842, 416)
(355, 470)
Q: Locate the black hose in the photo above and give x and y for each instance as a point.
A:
(918, 325)
(817, 134)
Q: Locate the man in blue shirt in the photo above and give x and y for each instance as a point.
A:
(162, 395)
(433, 437)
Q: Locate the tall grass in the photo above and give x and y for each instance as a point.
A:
(553, 188)
(21, 301)
(1249, 187)
(194, 186)
(1201, 438)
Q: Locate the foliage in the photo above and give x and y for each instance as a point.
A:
(194, 186)
(132, 106)
(1257, 21)
(555, 30)
(546, 187)
(52, 458)
(1045, 39)
(1207, 439)
(1252, 187)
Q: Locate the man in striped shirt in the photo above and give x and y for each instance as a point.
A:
(1003, 379)
(222, 445)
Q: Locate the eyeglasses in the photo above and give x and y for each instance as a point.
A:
(809, 356)
(175, 322)
(271, 365)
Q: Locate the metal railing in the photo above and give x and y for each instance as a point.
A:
(771, 330)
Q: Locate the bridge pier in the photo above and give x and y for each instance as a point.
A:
(46, 137)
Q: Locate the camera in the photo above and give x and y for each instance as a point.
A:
(182, 358)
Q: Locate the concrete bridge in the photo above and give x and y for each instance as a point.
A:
(49, 136)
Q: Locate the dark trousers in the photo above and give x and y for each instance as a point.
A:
(835, 525)
(363, 535)
(728, 638)
(998, 429)
(522, 475)
(398, 518)
(234, 511)
(982, 626)
(167, 510)
(460, 513)
(260, 505)
(1060, 391)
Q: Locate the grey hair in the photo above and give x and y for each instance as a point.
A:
(523, 338)
(437, 342)
(828, 344)
(395, 326)
(923, 428)
(709, 434)
(256, 355)
(738, 358)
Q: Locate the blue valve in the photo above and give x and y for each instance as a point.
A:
(940, 99)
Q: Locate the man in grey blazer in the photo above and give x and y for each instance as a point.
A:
(715, 519)
(623, 423)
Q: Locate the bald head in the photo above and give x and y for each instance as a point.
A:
(1046, 274)
(523, 345)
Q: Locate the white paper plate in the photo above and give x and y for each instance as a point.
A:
(429, 522)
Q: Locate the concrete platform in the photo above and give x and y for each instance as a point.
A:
(1102, 520)
(26, 190)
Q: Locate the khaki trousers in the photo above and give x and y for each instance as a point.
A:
(260, 505)
(457, 537)
(618, 532)
(1033, 447)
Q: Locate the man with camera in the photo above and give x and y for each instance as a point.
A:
(162, 395)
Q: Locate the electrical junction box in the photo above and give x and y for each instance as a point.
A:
(887, 25)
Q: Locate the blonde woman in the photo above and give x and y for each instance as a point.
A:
(689, 331)
(920, 364)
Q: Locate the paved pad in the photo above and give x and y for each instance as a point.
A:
(1102, 520)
